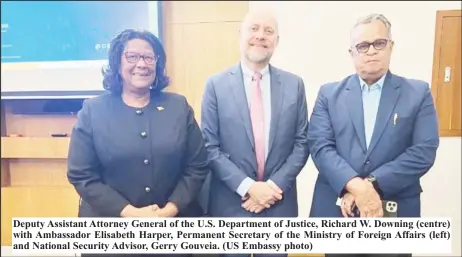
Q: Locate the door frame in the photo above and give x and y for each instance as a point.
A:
(440, 15)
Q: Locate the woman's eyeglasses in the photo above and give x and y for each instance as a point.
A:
(135, 57)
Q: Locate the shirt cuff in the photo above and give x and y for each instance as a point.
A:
(244, 187)
(272, 182)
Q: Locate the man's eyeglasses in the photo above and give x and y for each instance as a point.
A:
(135, 57)
(378, 44)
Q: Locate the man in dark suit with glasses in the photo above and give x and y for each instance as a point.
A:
(372, 135)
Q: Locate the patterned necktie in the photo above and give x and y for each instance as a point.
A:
(258, 124)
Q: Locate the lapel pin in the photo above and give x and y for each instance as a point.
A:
(395, 118)
(160, 108)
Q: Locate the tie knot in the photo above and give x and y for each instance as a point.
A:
(256, 76)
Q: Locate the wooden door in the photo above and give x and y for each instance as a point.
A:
(201, 38)
(446, 83)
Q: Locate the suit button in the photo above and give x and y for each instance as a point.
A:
(144, 134)
(367, 162)
(146, 161)
(147, 189)
(139, 112)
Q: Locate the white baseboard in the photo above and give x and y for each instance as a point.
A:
(6, 251)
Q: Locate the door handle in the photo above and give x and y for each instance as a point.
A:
(447, 74)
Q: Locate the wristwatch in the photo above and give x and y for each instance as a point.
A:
(375, 184)
(372, 179)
